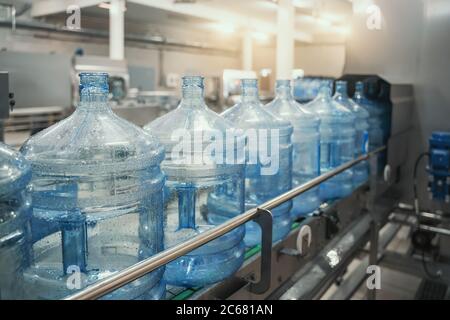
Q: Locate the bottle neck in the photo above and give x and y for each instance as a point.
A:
(341, 90)
(284, 90)
(250, 94)
(192, 92)
(94, 102)
(94, 91)
(324, 92)
(359, 91)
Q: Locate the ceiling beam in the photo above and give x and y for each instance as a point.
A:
(47, 7)
(203, 11)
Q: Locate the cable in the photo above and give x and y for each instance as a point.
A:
(416, 166)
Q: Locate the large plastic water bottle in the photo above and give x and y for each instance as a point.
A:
(375, 121)
(337, 141)
(204, 187)
(269, 159)
(384, 99)
(97, 200)
(306, 142)
(15, 175)
(361, 170)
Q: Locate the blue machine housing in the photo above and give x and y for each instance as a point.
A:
(439, 166)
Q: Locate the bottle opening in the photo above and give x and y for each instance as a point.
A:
(341, 87)
(283, 88)
(283, 83)
(249, 89)
(326, 88)
(249, 83)
(192, 86)
(94, 85)
(359, 87)
(193, 81)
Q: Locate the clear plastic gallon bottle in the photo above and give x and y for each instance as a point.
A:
(203, 187)
(306, 142)
(268, 170)
(15, 174)
(375, 124)
(97, 200)
(337, 141)
(361, 170)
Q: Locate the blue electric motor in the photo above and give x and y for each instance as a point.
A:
(439, 166)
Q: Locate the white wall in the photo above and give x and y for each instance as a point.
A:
(393, 51)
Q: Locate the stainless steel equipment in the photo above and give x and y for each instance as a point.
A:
(5, 97)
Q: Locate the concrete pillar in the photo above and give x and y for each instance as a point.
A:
(285, 39)
(117, 30)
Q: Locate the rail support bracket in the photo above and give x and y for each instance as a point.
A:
(265, 220)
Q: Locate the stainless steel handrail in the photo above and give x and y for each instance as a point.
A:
(143, 267)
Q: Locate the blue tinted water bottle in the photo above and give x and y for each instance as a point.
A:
(375, 124)
(306, 146)
(268, 170)
(384, 99)
(205, 187)
(97, 200)
(337, 142)
(361, 170)
(15, 209)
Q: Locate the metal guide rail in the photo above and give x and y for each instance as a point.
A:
(260, 215)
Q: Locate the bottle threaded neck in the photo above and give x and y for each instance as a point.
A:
(359, 89)
(94, 87)
(326, 89)
(342, 88)
(192, 86)
(249, 89)
(283, 88)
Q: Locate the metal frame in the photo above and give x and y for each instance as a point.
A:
(260, 215)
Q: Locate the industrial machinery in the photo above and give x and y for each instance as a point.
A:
(7, 101)
(4, 101)
(439, 167)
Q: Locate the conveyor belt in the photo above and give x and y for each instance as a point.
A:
(178, 293)
(431, 290)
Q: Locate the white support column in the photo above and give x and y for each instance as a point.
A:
(247, 51)
(117, 30)
(285, 39)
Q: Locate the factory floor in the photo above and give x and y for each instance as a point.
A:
(395, 285)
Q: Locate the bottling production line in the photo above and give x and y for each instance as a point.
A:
(336, 252)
